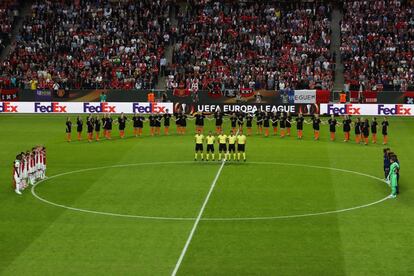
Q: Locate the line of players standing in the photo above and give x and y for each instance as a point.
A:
(28, 168)
(282, 121)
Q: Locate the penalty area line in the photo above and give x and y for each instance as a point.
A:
(200, 214)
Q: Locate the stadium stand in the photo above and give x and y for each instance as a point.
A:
(91, 44)
(257, 44)
(8, 13)
(377, 44)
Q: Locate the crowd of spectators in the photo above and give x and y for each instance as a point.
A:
(8, 14)
(91, 44)
(378, 44)
(258, 44)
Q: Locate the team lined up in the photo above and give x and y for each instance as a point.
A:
(28, 168)
(280, 122)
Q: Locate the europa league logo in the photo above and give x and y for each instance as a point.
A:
(309, 109)
(183, 107)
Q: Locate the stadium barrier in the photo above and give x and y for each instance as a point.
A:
(305, 109)
(368, 109)
(85, 107)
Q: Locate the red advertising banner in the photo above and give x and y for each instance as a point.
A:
(181, 92)
(9, 95)
(323, 96)
(367, 97)
(246, 92)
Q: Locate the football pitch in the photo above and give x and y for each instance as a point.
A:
(142, 206)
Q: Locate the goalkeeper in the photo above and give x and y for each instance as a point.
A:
(392, 177)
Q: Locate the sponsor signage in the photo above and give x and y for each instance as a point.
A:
(368, 109)
(85, 107)
(9, 107)
(304, 96)
(246, 108)
(43, 95)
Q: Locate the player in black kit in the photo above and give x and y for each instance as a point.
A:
(346, 126)
(240, 120)
(233, 122)
(183, 123)
(121, 124)
(79, 127)
(97, 126)
(259, 122)
(109, 122)
(288, 123)
(365, 131)
(218, 116)
(138, 122)
(89, 125)
(249, 120)
(266, 123)
(374, 125)
(282, 123)
(385, 125)
(332, 127)
(68, 129)
(167, 118)
(158, 119)
(358, 126)
(199, 122)
(275, 120)
(151, 119)
(299, 125)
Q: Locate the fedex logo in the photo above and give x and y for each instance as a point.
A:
(50, 108)
(398, 109)
(148, 108)
(348, 109)
(100, 108)
(8, 107)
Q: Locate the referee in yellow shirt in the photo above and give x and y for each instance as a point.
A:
(241, 145)
(232, 146)
(222, 140)
(199, 139)
(210, 145)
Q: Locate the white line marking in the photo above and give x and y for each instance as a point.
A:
(190, 237)
(206, 219)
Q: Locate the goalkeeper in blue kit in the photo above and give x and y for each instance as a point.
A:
(392, 177)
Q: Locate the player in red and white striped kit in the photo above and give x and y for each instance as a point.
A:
(23, 170)
(17, 175)
(38, 162)
(32, 177)
(43, 163)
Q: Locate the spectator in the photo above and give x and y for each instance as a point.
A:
(377, 44)
(254, 45)
(102, 97)
(92, 44)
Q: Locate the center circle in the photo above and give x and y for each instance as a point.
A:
(271, 165)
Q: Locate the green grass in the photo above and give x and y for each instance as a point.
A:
(40, 239)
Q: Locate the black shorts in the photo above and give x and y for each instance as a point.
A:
(199, 147)
(232, 147)
(210, 148)
(222, 147)
(240, 147)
